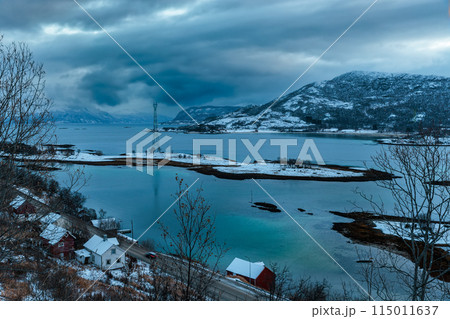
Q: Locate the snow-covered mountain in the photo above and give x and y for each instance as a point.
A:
(82, 115)
(93, 116)
(355, 100)
(202, 113)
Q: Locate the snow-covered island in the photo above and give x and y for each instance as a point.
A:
(225, 168)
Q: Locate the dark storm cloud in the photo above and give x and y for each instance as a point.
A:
(219, 52)
(104, 86)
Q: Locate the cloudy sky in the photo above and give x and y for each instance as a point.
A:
(219, 52)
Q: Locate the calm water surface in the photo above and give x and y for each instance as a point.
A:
(249, 233)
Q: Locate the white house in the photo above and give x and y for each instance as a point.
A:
(105, 253)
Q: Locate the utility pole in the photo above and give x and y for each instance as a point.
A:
(132, 229)
(155, 121)
(155, 116)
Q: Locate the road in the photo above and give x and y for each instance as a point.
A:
(225, 288)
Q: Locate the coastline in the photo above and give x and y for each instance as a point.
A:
(221, 168)
(340, 133)
(363, 230)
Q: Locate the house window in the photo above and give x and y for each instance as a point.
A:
(118, 261)
(108, 261)
(113, 251)
(61, 244)
(93, 258)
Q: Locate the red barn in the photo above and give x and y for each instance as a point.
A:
(256, 274)
(59, 240)
(21, 206)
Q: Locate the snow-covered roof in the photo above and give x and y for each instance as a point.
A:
(54, 233)
(106, 223)
(82, 253)
(50, 218)
(246, 268)
(17, 202)
(99, 245)
(30, 194)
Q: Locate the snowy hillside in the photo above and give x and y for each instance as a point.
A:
(355, 100)
(202, 113)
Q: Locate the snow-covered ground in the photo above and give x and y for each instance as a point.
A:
(218, 163)
(90, 273)
(277, 169)
(127, 237)
(83, 157)
(401, 229)
(228, 166)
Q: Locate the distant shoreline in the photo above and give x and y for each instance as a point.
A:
(362, 133)
(349, 133)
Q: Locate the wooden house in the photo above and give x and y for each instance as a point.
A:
(59, 241)
(256, 273)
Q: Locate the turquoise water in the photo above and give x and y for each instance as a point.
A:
(249, 233)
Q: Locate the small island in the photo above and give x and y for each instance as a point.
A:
(223, 168)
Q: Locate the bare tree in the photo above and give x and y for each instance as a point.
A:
(193, 244)
(25, 120)
(25, 124)
(373, 275)
(281, 288)
(308, 290)
(422, 200)
(302, 289)
(163, 286)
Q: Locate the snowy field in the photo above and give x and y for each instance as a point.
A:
(277, 169)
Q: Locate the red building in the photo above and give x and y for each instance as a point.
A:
(256, 273)
(59, 241)
(21, 206)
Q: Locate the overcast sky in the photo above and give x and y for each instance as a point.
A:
(219, 52)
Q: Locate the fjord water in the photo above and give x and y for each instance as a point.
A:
(249, 233)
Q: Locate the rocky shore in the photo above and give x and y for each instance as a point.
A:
(362, 230)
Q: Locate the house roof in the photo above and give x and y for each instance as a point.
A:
(82, 253)
(246, 268)
(50, 218)
(99, 245)
(17, 202)
(54, 234)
